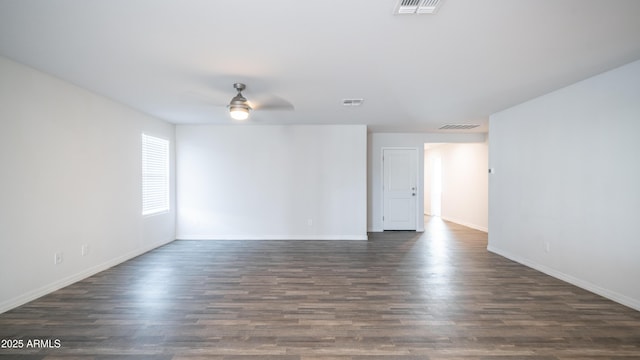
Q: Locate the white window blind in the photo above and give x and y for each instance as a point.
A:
(155, 175)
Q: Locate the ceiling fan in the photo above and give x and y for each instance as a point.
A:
(239, 107)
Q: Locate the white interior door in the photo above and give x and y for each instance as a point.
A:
(399, 189)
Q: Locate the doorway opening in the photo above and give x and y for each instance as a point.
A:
(456, 183)
(433, 177)
(436, 186)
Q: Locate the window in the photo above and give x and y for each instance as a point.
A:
(155, 175)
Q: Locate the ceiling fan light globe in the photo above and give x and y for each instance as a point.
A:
(239, 113)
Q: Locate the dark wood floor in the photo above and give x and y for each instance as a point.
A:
(400, 295)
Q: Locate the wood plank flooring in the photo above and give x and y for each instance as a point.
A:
(400, 295)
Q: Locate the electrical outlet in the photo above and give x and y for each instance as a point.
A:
(85, 250)
(547, 246)
(310, 222)
(57, 258)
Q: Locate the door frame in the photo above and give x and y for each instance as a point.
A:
(419, 187)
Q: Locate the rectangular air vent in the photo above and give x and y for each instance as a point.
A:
(418, 6)
(458, 126)
(352, 102)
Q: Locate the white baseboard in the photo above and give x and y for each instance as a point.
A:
(57, 285)
(611, 295)
(467, 224)
(375, 230)
(273, 237)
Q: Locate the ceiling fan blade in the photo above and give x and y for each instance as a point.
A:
(271, 102)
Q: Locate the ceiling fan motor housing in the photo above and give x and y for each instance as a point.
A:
(239, 101)
(239, 107)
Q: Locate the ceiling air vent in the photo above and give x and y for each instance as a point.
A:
(458, 126)
(418, 6)
(352, 102)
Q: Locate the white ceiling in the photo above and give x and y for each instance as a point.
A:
(178, 59)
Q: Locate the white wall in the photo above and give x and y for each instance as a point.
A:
(272, 182)
(71, 175)
(465, 187)
(567, 174)
(374, 167)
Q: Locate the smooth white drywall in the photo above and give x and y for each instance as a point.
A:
(567, 179)
(377, 141)
(465, 187)
(70, 176)
(272, 182)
